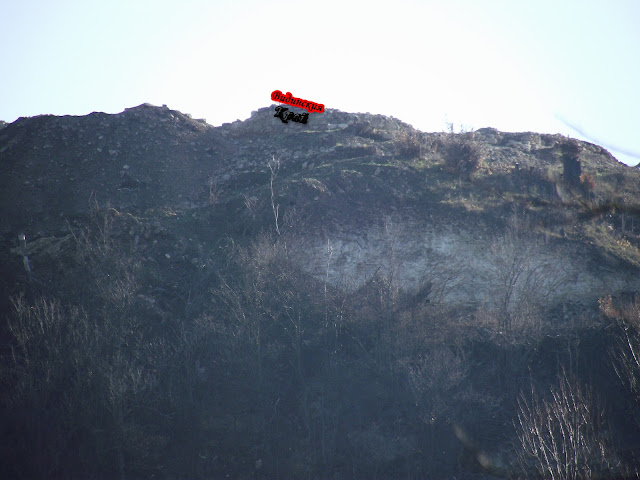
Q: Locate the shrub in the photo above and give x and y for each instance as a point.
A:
(408, 144)
(587, 182)
(461, 156)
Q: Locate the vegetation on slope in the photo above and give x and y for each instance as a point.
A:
(160, 337)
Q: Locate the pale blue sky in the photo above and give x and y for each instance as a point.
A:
(513, 65)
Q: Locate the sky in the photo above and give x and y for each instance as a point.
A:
(549, 66)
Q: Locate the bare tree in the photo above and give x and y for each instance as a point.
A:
(71, 368)
(68, 369)
(439, 277)
(524, 278)
(625, 355)
(274, 166)
(433, 378)
(562, 436)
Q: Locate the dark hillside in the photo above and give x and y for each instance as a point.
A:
(346, 298)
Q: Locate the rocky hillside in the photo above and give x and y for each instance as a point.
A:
(364, 186)
(277, 300)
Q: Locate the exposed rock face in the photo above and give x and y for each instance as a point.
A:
(359, 194)
(469, 261)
